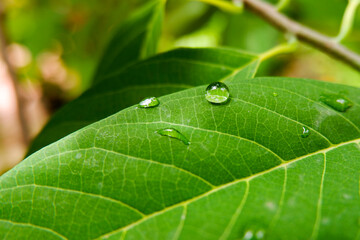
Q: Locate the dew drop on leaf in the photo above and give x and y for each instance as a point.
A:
(173, 133)
(305, 132)
(336, 101)
(254, 235)
(275, 94)
(217, 93)
(149, 102)
(248, 235)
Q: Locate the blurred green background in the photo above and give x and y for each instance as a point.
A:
(54, 47)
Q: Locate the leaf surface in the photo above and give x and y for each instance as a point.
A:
(163, 74)
(246, 172)
(136, 39)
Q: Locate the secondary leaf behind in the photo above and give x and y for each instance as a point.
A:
(136, 39)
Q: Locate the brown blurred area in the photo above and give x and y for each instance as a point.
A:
(26, 106)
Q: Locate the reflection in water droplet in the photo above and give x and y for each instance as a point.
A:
(217, 93)
(149, 102)
(336, 101)
(173, 133)
(305, 132)
(275, 94)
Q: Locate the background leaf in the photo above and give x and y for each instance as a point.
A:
(165, 73)
(117, 178)
(136, 39)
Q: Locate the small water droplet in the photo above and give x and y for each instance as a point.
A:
(347, 196)
(305, 132)
(325, 221)
(260, 234)
(270, 205)
(173, 133)
(217, 93)
(336, 101)
(78, 155)
(275, 94)
(248, 235)
(149, 102)
(254, 235)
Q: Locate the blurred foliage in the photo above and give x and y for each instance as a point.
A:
(77, 30)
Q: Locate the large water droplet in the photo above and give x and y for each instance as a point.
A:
(149, 102)
(305, 132)
(217, 93)
(173, 133)
(336, 101)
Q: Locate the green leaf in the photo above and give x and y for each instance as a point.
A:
(163, 74)
(246, 172)
(136, 39)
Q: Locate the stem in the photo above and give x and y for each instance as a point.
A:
(280, 49)
(305, 34)
(224, 5)
(348, 20)
(13, 79)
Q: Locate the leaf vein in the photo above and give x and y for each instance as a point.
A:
(311, 100)
(77, 192)
(34, 226)
(159, 163)
(184, 203)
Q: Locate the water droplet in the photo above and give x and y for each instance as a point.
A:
(325, 221)
(336, 101)
(275, 94)
(347, 196)
(217, 93)
(260, 234)
(270, 205)
(78, 155)
(248, 235)
(252, 235)
(305, 132)
(173, 133)
(149, 102)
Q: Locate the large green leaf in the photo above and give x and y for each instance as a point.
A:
(136, 39)
(165, 73)
(248, 170)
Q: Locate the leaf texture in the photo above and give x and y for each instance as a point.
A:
(163, 74)
(246, 172)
